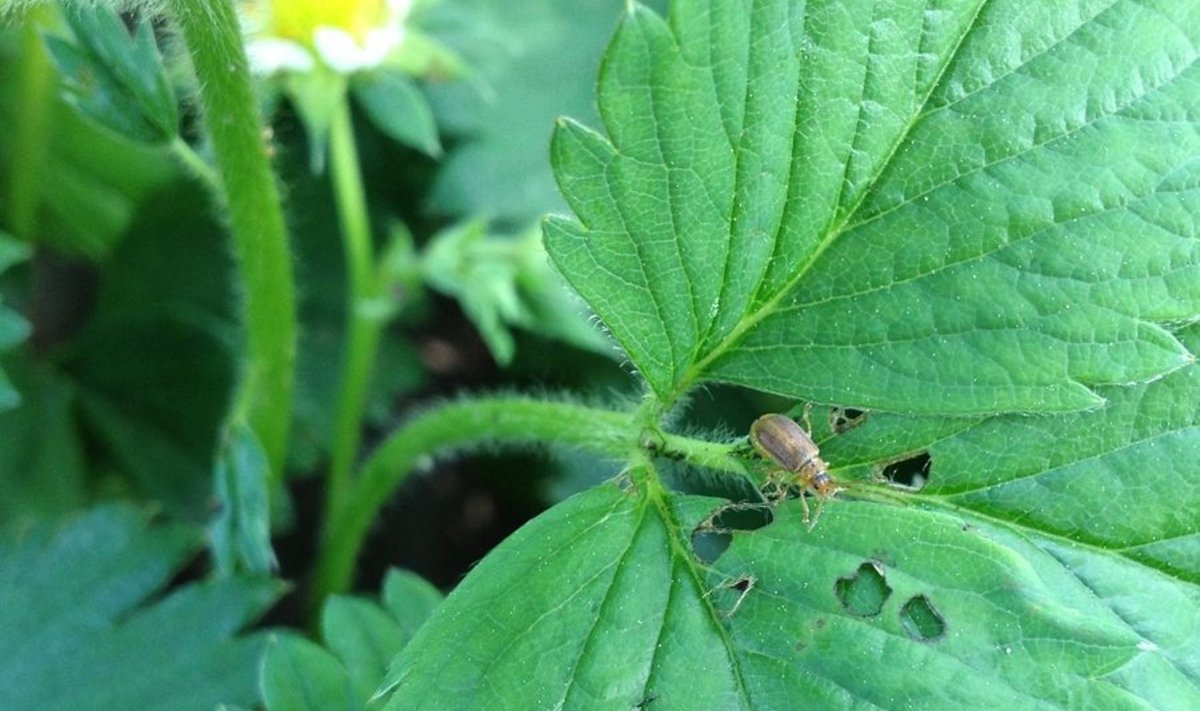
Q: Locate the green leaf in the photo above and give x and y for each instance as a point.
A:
(241, 532)
(501, 281)
(116, 80)
(605, 617)
(983, 208)
(9, 397)
(1026, 575)
(12, 251)
(299, 675)
(1121, 479)
(78, 628)
(360, 638)
(1048, 561)
(1124, 480)
(43, 471)
(410, 599)
(396, 106)
(13, 328)
(154, 367)
(364, 637)
(73, 184)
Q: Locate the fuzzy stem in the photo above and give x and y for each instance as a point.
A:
(702, 453)
(364, 322)
(32, 126)
(214, 40)
(455, 427)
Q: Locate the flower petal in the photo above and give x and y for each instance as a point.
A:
(338, 49)
(270, 55)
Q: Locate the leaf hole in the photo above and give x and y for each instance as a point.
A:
(844, 419)
(742, 517)
(912, 472)
(742, 585)
(921, 620)
(712, 537)
(708, 544)
(864, 592)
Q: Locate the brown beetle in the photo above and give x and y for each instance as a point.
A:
(780, 440)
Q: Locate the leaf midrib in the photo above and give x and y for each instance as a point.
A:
(682, 553)
(619, 565)
(832, 231)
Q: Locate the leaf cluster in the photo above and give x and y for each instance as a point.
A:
(959, 243)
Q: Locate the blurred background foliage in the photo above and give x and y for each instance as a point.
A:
(119, 308)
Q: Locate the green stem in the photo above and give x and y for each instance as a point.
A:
(702, 453)
(454, 427)
(364, 323)
(32, 125)
(210, 28)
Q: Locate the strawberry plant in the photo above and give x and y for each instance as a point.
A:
(955, 243)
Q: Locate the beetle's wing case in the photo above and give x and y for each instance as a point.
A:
(781, 440)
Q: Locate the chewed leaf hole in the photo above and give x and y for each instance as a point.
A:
(709, 544)
(741, 517)
(712, 537)
(921, 620)
(732, 593)
(844, 419)
(864, 592)
(912, 472)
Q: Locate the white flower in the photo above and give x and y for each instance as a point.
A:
(345, 36)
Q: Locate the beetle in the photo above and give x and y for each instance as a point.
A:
(780, 440)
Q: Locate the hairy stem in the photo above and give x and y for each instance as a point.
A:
(702, 453)
(210, 29)
(455, 427)
(32, 125)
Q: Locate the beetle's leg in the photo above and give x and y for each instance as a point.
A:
(817, 515)
(766, 492)
(804, 504)
(773, 488)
